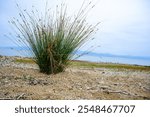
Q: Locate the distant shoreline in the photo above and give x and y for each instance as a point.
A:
(88, 56)
(27, 61)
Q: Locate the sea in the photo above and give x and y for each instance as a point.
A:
(90, 56)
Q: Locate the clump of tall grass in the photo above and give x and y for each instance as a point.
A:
(53, 37)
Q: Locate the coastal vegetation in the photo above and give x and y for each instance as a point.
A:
(54, 36)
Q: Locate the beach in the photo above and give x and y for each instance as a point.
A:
(23, 81)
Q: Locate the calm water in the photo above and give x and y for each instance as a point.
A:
(88, 57)
(144, 62)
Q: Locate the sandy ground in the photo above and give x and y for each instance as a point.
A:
(24, 81)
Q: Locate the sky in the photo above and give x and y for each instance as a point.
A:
(124, 27)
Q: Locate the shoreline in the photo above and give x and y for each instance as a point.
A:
(84, 61)
(93, 57)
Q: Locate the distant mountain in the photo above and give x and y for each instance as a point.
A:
(112, 55)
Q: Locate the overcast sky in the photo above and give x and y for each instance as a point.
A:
(124, 27)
